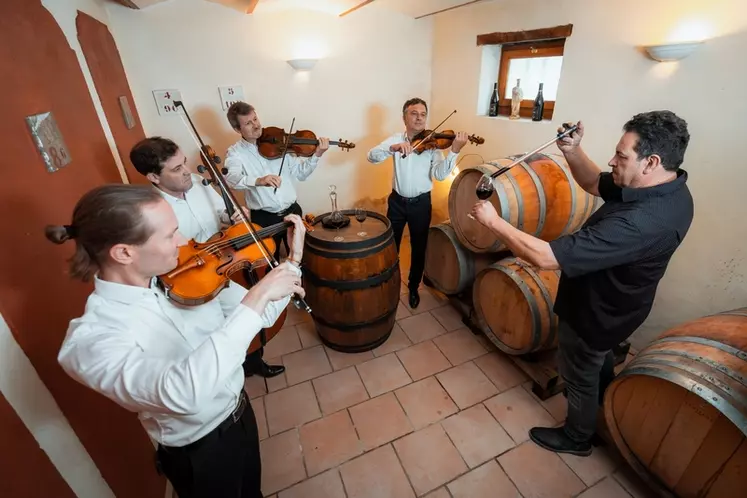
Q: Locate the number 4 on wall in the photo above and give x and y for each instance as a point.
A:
(165, 102)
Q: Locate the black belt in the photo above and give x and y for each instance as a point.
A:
(228, 422)
(411, 200)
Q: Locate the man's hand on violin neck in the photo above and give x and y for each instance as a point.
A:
(322, 147)
(269, 181)
(404, 148)
(459, 141)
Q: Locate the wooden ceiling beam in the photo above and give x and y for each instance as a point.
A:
(128, 3)
(449, 8)
(362, 4)
(252, 5)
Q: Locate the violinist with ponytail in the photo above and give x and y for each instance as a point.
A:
(178, 367)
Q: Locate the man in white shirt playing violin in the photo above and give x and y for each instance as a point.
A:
(410, 200)
(258, 177)
(178, 368)
(200, 210)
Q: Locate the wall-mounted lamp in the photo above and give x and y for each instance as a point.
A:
(671, 51)
(302, 64)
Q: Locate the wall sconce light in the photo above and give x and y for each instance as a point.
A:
(672, 51)
(302, 64)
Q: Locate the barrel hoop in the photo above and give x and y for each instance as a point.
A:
(536, 330)
(540, 195)
(362, 244)
(348, 285)
(742, 355)
(733, 313)
(571, 184)
(464, 262)
(519, 199)
(357, 325)
(697, 358)
(712, 397)
(500, 190)
(347, 255)
(548, 301)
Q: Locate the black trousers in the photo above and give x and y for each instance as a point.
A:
(220, 465)
(415, 212)
(265, 218)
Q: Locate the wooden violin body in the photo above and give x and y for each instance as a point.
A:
(302, 143)
(427, 140)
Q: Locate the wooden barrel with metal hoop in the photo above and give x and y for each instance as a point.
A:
(352, 282)
(449, 266)
(678, 411)
(538, 196)
(513, 305)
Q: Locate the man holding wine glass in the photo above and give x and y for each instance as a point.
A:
(410, 201)
(610, 267)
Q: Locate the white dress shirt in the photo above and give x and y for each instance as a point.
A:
(178, 367)
(245, 165)
(200, 213)
(414, 174)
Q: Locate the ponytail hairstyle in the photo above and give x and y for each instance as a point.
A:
(102, 218)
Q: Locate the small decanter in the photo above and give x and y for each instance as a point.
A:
(335, 219)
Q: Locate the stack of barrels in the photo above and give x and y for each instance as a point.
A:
(512, 301)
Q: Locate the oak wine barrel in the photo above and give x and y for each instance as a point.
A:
(678, 411)
(449, 266)
(513, 305)
(352, 281)
(538, 196)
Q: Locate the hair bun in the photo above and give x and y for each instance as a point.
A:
(58, 234)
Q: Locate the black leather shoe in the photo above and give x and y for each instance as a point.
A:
(414, 299)
(268, 371)
(555, 439)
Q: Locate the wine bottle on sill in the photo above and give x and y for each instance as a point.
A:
(539, 105)
(493, 111)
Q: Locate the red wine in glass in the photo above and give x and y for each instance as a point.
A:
(484, 188)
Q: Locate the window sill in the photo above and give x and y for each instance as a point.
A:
(520, 120)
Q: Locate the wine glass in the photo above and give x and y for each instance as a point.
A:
(484, 189)
(360, 215)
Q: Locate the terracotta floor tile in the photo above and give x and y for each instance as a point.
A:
(282, 463)
(402, 311)
(377, 474)
(429, 458)
(439, 493)
(306, 365)
(423, 360)
(291, 407)
(517, 411)
(488, 481)
(425, 402)
(421, 327)
(339, 390)
(486, 343)
(296, 316)
(344, 360)
(397, 340)
(557, 406)
(608, 488)
(286, 341)
(383, 374)
(539, 473)
(449, 317)
(501, 371)
(459, 346)
(427, 301)
(633, 484)
(255, 386)
(258, 407)
(477, 435)
(379, 421)
(467, 385)
(327, 485)
(279, 381)
(593, 468)
(328, 442)
(308, 334)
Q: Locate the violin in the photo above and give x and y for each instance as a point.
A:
(427, 140)
(274, 141)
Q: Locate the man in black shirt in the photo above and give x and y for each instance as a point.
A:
(611, 267)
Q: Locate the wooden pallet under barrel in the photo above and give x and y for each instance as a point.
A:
(541, 367)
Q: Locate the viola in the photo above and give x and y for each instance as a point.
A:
(427, 140)
(274, 141)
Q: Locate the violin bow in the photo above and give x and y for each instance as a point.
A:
(233, 204)
(285, 149)
(433, 131)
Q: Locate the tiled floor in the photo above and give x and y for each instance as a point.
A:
(432, 412)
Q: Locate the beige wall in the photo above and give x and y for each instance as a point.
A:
(605, 80)
(355, 92)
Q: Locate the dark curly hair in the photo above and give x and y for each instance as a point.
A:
(662, 133)
(149, 154)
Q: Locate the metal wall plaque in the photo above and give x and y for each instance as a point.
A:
(49, 141)
(126, 112)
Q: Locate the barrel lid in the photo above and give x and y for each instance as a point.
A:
(375, 228)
